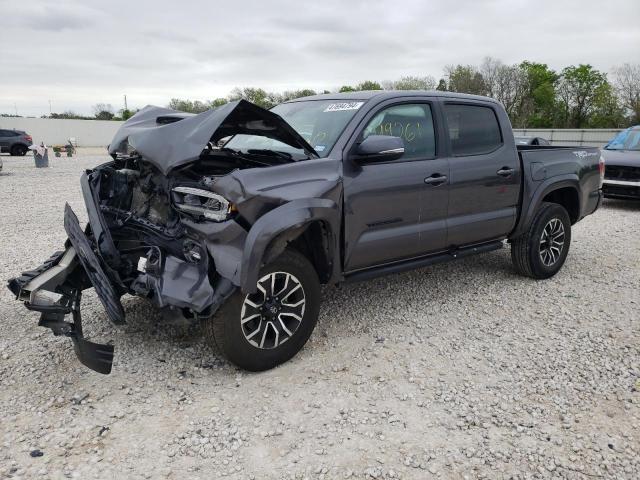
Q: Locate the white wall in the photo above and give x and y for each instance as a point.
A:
(586, 137)
(88, 133)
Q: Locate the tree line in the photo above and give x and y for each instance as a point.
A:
(534, 95)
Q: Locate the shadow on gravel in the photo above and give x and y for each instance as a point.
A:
(143, 318)
(630, 205)
(430, 287)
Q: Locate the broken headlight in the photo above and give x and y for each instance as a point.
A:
(201, 203)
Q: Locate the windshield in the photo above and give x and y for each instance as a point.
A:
(319, 122)
(628, 139)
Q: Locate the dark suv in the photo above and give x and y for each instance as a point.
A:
(15, 142)
(233, 218)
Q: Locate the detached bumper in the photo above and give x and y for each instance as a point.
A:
(54, 289)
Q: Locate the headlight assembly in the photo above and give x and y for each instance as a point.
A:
(202, 203)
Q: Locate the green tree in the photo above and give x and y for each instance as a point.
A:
(254, 95)
(103, 111)
(465, 79)
(537, 105)
(369, 85)
(126, 114)
(607, 109)
(69, 115)
(442, 85)
(218, 102)
(291, 94)
(346, 88)
(578, 89)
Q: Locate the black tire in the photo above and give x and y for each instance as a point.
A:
(19, 151)
(526, 250)
(225, 333)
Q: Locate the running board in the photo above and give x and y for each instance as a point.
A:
(421, 262)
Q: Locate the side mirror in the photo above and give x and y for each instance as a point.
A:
(379, 148)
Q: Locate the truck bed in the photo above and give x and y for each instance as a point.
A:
(543, 166)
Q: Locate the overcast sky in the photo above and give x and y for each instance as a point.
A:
(79, 53)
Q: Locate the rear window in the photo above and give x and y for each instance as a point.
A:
(473, 129)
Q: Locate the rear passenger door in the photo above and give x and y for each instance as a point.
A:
(391, 213)
(484, 183)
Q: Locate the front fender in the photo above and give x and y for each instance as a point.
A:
(291, 215)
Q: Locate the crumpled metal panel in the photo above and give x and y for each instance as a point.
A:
(169, 145)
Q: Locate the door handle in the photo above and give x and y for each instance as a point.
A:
(435, 179)
(505, 172)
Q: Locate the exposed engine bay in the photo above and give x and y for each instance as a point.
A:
(156, 255)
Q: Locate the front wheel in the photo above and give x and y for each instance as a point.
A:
(261, 330)
(542, 250)
(19, 151)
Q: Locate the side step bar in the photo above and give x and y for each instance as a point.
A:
(420, 262)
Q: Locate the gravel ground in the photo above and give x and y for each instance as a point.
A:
(462, 370)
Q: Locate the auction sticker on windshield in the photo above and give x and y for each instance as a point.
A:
(339, 107)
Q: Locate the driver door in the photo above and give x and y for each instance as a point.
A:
(391, 212)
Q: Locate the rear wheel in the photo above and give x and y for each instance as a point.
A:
(19, 151)
(261, 330)
(542, 250)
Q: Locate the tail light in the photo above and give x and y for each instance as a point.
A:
(601, 169)
(28, 138)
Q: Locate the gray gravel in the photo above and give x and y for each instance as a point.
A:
(463, 370)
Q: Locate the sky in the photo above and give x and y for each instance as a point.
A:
(76, 54)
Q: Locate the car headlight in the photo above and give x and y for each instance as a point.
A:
(202, 203)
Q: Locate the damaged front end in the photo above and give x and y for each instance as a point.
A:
(157, 228)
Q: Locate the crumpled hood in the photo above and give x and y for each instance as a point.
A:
(621, 158)
(169, 138)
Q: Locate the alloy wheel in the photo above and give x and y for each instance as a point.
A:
(551, 242)
(272, 315)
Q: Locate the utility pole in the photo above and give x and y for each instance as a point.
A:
(49, 107)
(125, 103)
(15, 106)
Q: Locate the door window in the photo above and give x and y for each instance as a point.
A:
(473, 129)
(411, 122)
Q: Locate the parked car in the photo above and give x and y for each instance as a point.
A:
(239, 234)
(15, 142)
(622, 167)
(531, 141)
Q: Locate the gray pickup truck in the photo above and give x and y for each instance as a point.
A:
(233, 218)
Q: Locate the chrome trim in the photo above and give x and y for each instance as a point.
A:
(628, 183)
(198, 191)
(393, 150)
(52, 277)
